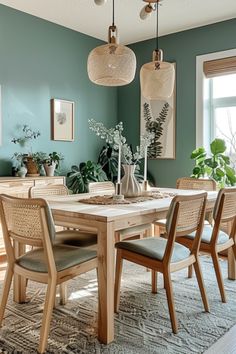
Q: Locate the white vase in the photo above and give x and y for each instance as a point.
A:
(49, 169)
(22, 172)
(130, 186)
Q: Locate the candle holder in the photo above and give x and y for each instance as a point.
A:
(118, 195)
(146, 189)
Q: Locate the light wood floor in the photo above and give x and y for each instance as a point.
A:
(225, 345)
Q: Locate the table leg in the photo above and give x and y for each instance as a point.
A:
(106, 253)
(19, 283)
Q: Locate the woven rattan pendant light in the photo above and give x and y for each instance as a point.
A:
(111, 64)
(157, 78)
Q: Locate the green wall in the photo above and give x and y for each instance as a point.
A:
(39, 61)
(182, 48)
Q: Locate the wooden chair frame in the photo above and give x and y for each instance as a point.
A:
(52, 278)
(224, 212)
(165, 266)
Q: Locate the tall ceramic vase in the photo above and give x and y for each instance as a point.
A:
(130, 186)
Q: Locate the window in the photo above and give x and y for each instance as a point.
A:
(222, 111)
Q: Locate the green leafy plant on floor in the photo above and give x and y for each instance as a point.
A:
(216, 166)
(80, 176)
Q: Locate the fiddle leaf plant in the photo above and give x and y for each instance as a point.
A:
(216, 166)
(80, 176)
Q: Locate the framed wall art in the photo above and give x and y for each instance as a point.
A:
(158, 117)
(62, 120)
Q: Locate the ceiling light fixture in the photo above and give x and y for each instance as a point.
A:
(100, 2)
(157, 78)
(147, 9)
(111, 64)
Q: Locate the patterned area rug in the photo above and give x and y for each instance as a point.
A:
(142, 326)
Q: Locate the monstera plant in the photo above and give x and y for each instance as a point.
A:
(216, 166)
(80, 176)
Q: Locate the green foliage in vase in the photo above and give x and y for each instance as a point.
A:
(155, 126)
(80, 176)
(216, 166)
(108, 159)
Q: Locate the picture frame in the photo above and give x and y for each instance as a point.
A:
(159, 117)
(0, 115)
(62, 120)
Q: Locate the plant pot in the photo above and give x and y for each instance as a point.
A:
(50, 169)
(32, 168)
(130, 186)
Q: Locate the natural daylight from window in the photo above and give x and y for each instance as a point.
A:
(223, 112)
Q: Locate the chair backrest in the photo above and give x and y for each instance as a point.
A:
(185, 215)
(225, 205)
(45, 191)
(224, 213)
(28, 221)
(101, 187)
(196, 183)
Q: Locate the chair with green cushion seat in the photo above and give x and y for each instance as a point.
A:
(186, 214)
(73, 237)
(213, 239)
(29, 222)
(187, 183)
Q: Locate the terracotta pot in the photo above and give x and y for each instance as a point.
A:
(32, 167)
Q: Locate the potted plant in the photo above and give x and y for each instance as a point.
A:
(216, 166)
(80, 176)
(20, 167)
(32, 160)
(52, 162)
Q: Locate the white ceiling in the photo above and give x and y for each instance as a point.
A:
(86, 17)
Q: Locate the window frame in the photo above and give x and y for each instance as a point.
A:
(204, 127)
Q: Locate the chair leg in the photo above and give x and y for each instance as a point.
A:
(63, 293)
(201, 285)
(219, 277)
(5, 293)
(190, 271)
(170, 301)
(154, 281)
(119, 264)
(47, 315)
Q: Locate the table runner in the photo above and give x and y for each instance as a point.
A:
(109, 200)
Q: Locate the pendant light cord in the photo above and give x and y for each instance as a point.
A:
(157, 40)
(113, 13)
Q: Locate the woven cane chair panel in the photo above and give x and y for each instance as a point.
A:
(23, 220)
(195, 183)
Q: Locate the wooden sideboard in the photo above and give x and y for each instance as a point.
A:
(19, 187)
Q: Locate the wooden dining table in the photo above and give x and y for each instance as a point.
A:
(105, 220)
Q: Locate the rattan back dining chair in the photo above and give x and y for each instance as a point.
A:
(186, 214)
(68, 236)
(215, 240)
(131, 232)
(29, 222)
(48, 190)
(204, 184)
(101, 187)
(71, 237)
